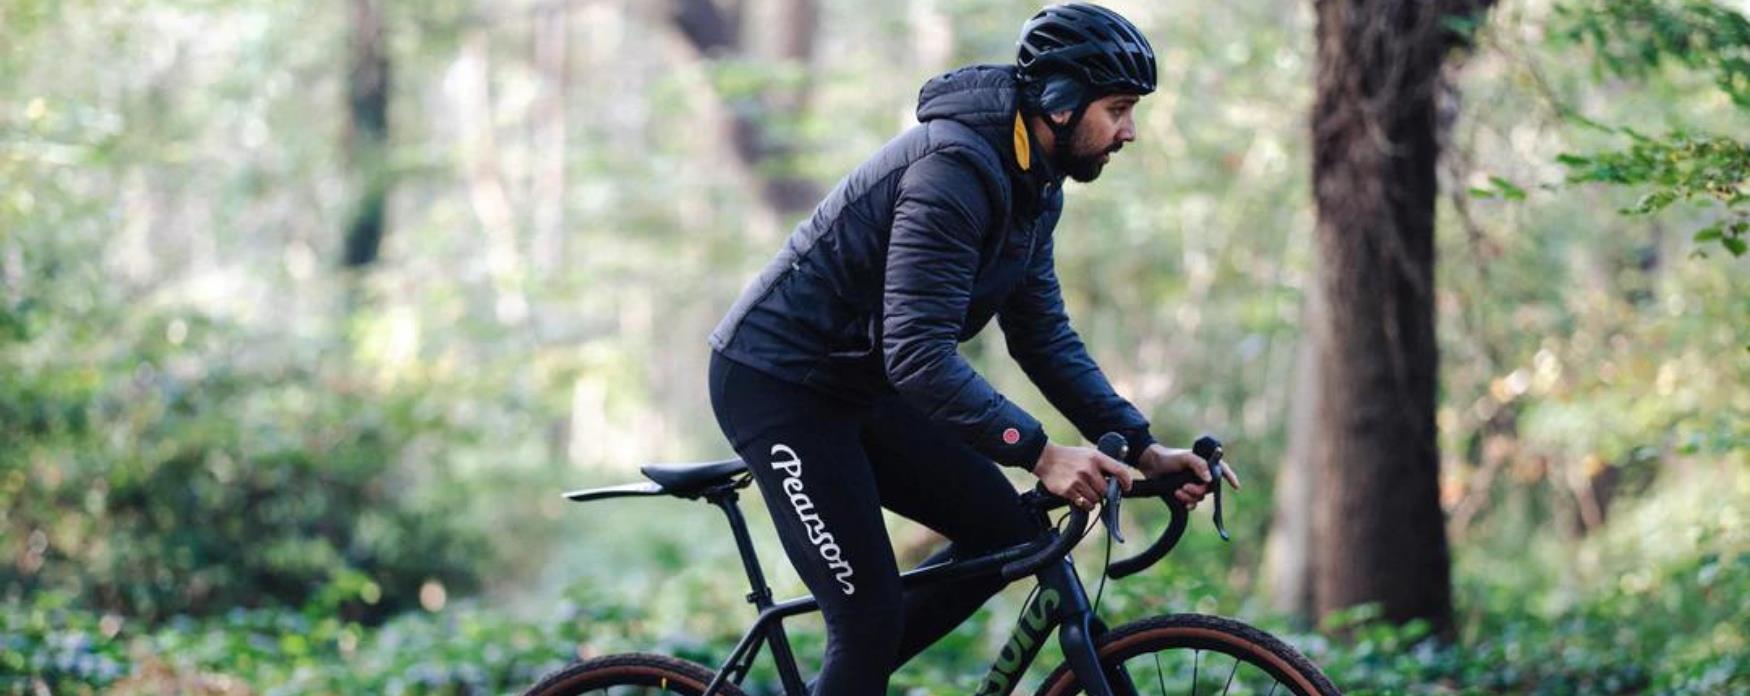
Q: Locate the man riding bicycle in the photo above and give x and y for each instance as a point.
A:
(836, 375)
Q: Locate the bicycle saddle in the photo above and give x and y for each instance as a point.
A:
(687, 479)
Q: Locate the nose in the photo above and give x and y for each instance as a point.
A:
(1126, 130)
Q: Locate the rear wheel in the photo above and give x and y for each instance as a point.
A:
(1196, 654)
(631, 674)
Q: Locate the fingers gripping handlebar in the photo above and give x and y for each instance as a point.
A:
(1113, 445)
(1210, 450)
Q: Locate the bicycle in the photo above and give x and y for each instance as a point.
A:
(1098, 661)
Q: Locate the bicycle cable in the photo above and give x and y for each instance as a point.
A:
(1104, 571)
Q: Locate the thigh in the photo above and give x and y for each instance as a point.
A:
(805, 455)
(932, 477)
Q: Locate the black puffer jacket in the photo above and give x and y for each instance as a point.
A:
(914, 252)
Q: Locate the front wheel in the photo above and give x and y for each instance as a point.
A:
(628, 675)
(1196, 654)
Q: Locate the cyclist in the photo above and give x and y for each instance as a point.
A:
(836, 375)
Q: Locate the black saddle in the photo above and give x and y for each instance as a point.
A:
(679, 480)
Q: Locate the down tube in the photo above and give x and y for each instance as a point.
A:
(1060, 599)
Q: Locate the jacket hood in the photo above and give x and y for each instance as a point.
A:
(979, 96)
(984, 98)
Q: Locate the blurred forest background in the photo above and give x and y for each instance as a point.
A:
(309, 311)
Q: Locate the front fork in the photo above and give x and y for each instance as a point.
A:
(1077, 631)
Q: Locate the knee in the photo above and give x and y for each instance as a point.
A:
(872, 629)
(862, 649)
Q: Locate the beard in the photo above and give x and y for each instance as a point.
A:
(1084, 160)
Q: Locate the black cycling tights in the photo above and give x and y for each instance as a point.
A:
(826, 468)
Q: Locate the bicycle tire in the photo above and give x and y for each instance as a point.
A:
(659, 674)
(1197, 634)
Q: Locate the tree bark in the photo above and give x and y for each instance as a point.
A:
(1378, 525)
(367, 132)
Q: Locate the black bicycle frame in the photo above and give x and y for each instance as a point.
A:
(1060, 603)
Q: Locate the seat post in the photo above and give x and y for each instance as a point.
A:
(761, 596)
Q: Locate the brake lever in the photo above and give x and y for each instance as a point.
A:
(1210, 450)
(1163, 489)
(1113, 445)
(1114, 496)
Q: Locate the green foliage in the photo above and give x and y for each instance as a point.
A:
(1654, 612)
(1680, 167)
(462, 651)
(1499, 188)
(205, 482)
(175, 475)
(1633, 38)
(161, 460)
(163, 453)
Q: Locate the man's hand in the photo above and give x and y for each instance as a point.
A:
(1078, 474)
(1160, 460)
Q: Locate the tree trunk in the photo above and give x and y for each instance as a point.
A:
(1378, 525)
(367, 132)
(755, 125)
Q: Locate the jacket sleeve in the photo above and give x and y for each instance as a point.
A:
(940, 217)
(1039, 337)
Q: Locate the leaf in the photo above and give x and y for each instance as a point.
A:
(1654, 201)
(1708, 233)
(1481, 192)
(1508, 190)
(1735, 245)
(1463, 25)
(1573, 160)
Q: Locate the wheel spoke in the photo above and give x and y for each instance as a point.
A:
(1192, 682)
(1195, 657)
(1130, 647)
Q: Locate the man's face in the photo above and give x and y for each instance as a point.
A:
(1105, 128)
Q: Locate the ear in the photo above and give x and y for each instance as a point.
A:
(1061, 117)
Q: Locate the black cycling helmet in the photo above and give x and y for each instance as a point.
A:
(1097, 46)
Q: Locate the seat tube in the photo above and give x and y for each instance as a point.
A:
(761, 595)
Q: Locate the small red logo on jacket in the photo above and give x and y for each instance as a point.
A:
(1011, 436)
